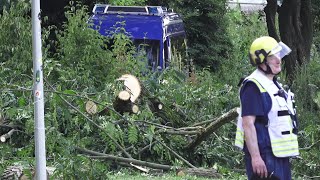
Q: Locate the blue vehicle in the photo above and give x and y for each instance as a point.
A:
(151, 28)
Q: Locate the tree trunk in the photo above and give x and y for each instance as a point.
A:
(295, 27)
(271, 11)
(307, 27)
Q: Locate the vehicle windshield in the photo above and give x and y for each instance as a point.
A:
(149, 49)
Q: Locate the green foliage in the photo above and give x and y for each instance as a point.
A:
(81, 53)
(306, 88)
(242, 30)
(132, 135)
(316, 22)
(15, 47)
(205, 24)
(80, 167)
(81, 65)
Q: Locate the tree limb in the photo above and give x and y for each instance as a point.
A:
(177, 155)
(217, 123)
(192, 171)
(127, 160)
(181, 132)
(311, 146)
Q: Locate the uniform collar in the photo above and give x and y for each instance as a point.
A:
(262, 77)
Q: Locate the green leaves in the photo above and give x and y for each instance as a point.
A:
(132, 134)
(82, 65)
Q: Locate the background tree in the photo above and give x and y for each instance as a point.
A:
(205, 24)
(295, 27)
(316, 22)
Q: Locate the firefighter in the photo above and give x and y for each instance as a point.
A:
(267, 124)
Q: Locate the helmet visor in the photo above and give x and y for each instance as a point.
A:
(280, 50)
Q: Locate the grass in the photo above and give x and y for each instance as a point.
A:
(123, 175)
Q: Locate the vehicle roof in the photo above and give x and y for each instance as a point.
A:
(139, 22)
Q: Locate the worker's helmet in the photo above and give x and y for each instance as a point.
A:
(265, 46)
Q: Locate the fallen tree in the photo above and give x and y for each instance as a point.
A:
(212, 173)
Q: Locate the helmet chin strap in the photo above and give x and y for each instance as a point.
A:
(269, 70)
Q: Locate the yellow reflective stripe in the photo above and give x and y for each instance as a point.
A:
(239, 138)
(288, 144)
(240, 132)
(285, 148)
(290, 151)
(258, 84)
(286, 154)
(238, 142)
(291, 143)
(283, 140)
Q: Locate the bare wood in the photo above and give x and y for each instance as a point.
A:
(227, 117)
(198, 128)
(6, 136)
(135, 108)
(132, 85)
(180, 132)
(91, 107)
(124, 95)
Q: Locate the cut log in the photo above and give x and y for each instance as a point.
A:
(132, 85)
(135, 109)
(217, 123)
(169, 114)
(91, 107)
(124, 95)
(6, 136)
(123, 103)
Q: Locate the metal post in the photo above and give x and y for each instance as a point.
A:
(39, 131)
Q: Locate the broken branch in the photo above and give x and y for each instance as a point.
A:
(217, 123)
(6, 136)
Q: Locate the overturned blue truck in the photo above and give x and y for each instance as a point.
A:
(152, 28)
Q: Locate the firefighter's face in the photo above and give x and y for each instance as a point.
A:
(274, 61)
